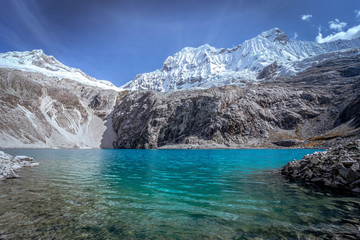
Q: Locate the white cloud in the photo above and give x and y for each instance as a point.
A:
(351, 33)
(295, 36)
(306, 17)
(337, 25)
(357, 13)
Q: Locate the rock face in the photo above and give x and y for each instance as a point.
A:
(229, 116)
(269, 54)
(301, 111)
(42, 107)
(351, 113)
(337, 168)
(268, 71)
(9, 165)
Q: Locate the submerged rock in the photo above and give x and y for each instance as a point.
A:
(9, 165)
(337, 168)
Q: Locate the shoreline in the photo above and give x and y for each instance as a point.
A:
(171, 147)
(336, 168)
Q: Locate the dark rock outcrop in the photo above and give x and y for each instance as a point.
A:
(230, 116)
(287, 143)
(350, 113)
(350, 72)
(268, 71)
(316, 108)
(337, 168)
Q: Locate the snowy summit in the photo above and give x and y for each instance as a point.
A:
(269, 54)
(37, 61)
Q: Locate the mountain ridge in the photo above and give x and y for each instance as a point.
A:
(206, 66)
(37, 61)
(44, 103)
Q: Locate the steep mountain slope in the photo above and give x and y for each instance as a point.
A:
(270, 54)
(44, 103)
(318, 107)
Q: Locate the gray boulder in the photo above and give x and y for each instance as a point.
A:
(337, 168)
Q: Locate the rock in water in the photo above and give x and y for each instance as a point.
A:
(9, 165)
(337, 168)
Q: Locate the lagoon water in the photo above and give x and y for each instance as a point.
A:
(166, 194)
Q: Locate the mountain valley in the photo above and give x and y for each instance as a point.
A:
(268, 92)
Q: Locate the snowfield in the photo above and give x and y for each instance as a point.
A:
(36, 61)
(206, 66)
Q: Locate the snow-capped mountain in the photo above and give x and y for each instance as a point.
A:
(38, 62)
(271, 53)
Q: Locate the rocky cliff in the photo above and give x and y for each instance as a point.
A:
(43, 107)
(316, 108)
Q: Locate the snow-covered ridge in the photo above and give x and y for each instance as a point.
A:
(207, 66)
(37, 61)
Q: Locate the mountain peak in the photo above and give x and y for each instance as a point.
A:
(37, 61)
(202, 47)
(274, 35)
(207, 66)
(37, 52)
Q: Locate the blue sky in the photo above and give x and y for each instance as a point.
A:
(115, 40)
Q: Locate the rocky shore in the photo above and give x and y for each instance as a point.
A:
(337, 168)
(9, 165)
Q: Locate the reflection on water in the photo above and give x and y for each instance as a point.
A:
(167, 194)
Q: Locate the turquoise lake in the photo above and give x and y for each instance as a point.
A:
(167, 194)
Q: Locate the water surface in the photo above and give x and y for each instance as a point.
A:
(167, 194)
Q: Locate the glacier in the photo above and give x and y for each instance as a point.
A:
(206, 66)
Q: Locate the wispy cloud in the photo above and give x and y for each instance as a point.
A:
(306, 17)
(351, 33)
(295, 36)
(337, 25)
(357, 13)
(35, 26)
